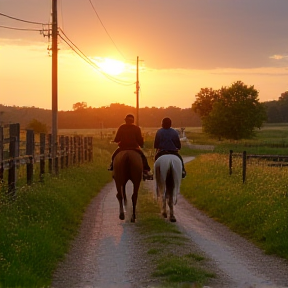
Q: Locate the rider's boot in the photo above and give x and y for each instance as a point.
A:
(147, 175)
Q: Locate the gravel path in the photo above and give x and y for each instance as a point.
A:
(107, 252)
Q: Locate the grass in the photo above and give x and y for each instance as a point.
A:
(175, 262)
(257, 209)
(38, 226)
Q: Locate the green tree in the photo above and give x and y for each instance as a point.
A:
(79, 106)
(37, 126)
(283, 106)
(234, 113)
(204, 101)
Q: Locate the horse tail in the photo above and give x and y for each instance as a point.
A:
(177, 176)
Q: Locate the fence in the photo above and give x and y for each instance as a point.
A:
(272, 160)
(18, 149)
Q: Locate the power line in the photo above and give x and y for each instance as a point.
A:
(90, 62)
(106, 30)
(73, 46)
(21, 29)
(21, 20)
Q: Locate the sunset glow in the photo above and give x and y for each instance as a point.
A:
(98, 48)
(110, 66)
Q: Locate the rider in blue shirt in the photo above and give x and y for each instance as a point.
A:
(167, 141)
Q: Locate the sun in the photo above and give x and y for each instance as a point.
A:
(110, 66)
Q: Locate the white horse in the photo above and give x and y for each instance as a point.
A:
(168, 176)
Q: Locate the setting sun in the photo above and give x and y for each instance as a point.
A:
(110, 66)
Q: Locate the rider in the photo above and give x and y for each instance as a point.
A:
(167, 141)
(129, 137)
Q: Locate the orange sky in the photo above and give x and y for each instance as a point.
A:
(183, 46)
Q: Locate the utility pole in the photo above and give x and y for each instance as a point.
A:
(54, 84)
(137, 92)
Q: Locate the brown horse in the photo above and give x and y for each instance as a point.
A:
(127, 166)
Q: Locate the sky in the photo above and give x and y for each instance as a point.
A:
(182, 46)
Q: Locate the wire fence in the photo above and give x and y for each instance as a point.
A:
(255, 159)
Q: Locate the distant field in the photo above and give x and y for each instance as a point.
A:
(268, 133)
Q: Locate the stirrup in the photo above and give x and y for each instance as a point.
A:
(183, 174)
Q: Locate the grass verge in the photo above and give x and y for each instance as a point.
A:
(257, 209)
(38, 226)
(175, 263)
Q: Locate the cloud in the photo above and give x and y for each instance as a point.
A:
(279, 57)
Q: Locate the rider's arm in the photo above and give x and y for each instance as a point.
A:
(139, 137)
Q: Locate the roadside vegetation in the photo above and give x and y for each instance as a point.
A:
(171, 254)
(257, 209)
(38, 226)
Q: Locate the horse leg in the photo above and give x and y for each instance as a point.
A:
(120, 200)
(134, 201)
(171, 207)
(124, 195)
(164, 212)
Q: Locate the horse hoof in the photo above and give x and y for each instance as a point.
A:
(164, 215)
(172, 219)
(133, 219)
(121, 216)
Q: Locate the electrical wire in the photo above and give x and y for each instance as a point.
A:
(21, 20)
(22, 29)
(70, 44)
(90, 62)
(106, 30)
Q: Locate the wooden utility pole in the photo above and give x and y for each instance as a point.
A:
(137, 92)
(54, 84)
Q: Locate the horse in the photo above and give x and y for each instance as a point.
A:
(168, 176)
(128, 165)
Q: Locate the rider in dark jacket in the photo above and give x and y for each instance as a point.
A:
(129, 137)
(167, 141)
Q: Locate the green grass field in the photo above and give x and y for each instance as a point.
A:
(257, 209)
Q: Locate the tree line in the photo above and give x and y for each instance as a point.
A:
(235, 109)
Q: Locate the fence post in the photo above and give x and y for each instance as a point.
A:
(42, 155)
(230, 162)
(90, 147)
(56, 158)
(85, 148)
(62, 151)
(71, 151)
(67, 150)
(244, 166)
(14, 131)
(50, 153)
(1, 154)
(12, 167)
(79, 149)
(30, 148)
(75, 150)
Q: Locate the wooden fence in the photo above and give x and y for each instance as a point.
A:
(274, 160)
(18, 149)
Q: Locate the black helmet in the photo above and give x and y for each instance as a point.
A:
(129, 118)
(166, 123)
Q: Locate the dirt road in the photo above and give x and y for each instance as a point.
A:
(107, 252)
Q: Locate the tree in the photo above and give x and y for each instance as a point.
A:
(283, 106)
(204, 101)
(37, 126)
(232, 113)
(79, 106)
